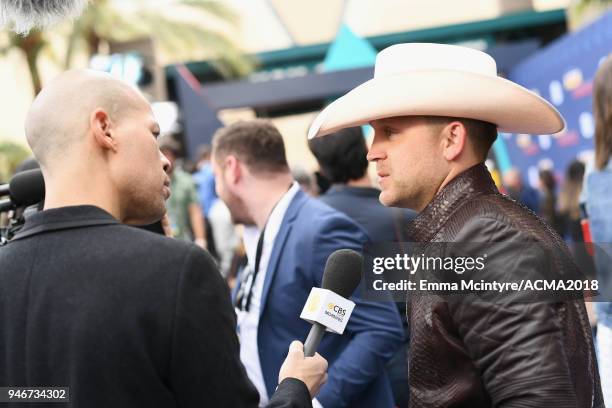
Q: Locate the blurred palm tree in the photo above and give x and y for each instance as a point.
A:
(31, 45)
(11, 155)
(583, 12)
(103, 22)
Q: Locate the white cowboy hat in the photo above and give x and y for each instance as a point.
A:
(439, 80)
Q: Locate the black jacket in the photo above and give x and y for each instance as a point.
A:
(525, 352)
(122, 316)
(382, 224)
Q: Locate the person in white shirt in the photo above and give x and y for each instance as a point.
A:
(288, 237)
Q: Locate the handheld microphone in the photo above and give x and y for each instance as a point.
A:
(25, 189)
(4, 189)
(341, 276)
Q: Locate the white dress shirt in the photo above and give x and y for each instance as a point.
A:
(248, 322)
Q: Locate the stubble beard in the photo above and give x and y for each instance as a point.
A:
(238, 210)
(402, 196)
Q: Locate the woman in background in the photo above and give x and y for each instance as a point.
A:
(548, 199)
(569, 202)
(598, 193)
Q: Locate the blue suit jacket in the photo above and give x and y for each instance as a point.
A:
(310, 232)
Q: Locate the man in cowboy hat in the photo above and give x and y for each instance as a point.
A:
(436, 110)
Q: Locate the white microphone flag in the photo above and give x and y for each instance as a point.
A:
(328, 308)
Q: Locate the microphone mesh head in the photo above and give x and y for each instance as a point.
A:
(27, 188)
(343, 272)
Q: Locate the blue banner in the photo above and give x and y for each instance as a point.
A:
(563, 74)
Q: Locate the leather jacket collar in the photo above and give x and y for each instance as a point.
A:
(471, 183)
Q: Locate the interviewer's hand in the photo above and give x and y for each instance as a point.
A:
(312, 371)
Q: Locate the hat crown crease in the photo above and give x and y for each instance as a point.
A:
(404, 58)
(444, 80)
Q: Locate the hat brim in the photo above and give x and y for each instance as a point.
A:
(496, 100)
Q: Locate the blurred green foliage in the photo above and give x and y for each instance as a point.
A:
(103, 22)
(583, 12)
(11, 154)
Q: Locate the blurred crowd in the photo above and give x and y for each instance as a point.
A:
(556, 199)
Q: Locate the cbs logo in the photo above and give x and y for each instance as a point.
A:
(340, 311)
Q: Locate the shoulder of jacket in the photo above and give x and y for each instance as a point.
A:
(493, 210)
(141, 241)
(321, 219)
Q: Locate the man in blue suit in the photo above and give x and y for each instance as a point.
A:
(342, 160)
(288, 237)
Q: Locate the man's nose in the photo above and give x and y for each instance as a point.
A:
(376, 151)
(167, 166)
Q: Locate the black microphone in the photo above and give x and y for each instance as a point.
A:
(27, 188)
(6, 205)
(4, 189)
(342, 275)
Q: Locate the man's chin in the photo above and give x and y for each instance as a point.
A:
(238, 220)
(146, 217)
(387, 199)
(140, 222)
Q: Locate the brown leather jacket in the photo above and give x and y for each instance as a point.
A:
(471, 354)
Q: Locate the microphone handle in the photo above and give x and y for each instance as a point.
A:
(6, 204)
(314, 338)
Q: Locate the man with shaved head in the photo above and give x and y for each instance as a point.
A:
(121, 143)
(121, 316)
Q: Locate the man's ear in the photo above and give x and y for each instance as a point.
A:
(102, 129)
(454, 140)
(233, 169)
